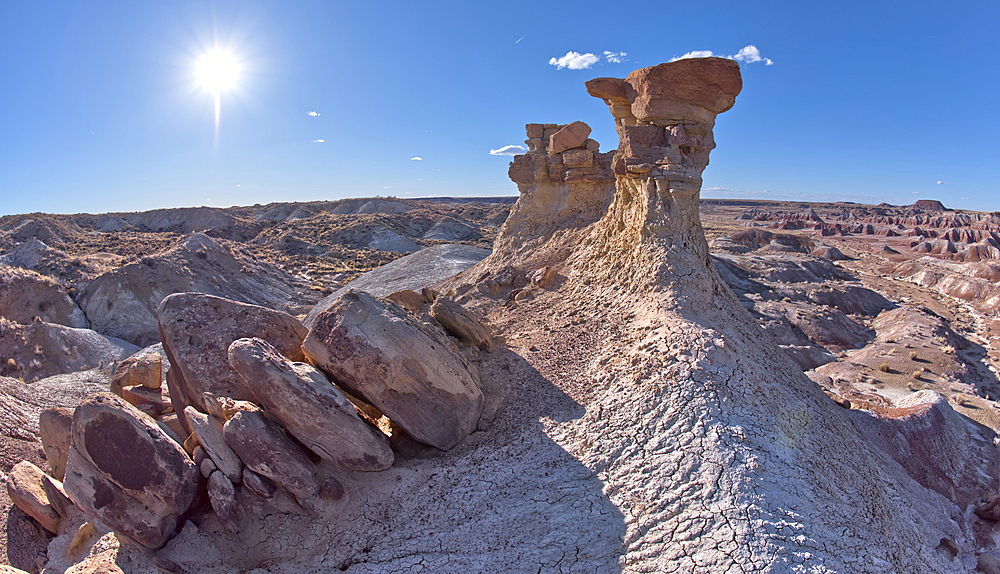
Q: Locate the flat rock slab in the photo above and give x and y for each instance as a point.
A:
(460, 322)
(54, 426)
(569, 137)
(310, 407)
(425, 267)
(408, 370)
(197, 329)
(25, 488)
(130, 450)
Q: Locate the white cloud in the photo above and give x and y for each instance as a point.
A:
(575, 61)
(416, 158)
(317, 141)
(748, 55)
(942, 183)
(508, 150)
(614, 57)
(694, 54)
(314, 114)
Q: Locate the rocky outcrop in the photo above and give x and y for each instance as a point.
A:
(423, 268)
(26, 296)
(38, 350)
(937, 447)
(312, 409)
(123, 302)
(409, 372)
(197, 329)
(125, 471)
(54, 429)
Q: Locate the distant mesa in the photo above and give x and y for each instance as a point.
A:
(930, 205)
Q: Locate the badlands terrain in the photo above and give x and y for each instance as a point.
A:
(605, 374)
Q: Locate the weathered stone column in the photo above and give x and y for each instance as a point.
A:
(664, 116)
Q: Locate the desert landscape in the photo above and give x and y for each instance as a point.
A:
(607, 373)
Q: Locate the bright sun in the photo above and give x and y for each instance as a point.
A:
(217, 71)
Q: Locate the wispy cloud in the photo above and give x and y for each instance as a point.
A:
(748, 55)
(318, 141)
(614, 57)
(416, 158)
(694, 54)
(521, 38)
(314, 114)
(942, 183)
(575, 61)
(508, 150)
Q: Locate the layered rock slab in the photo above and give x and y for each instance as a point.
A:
(407, 370)
(267, 451)
(310, 407)
(197, 330)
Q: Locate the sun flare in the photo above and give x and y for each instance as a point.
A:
(217, 71)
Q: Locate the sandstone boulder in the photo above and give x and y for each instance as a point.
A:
(691, 90)
(197, 329)
(268, 452)
(208, 429)
(571, 136)
(143, 369)
(310, 407)
(54, 428)
(407, 370)
(24, 487)
(26, 295)
(131, 451)
(461, 323)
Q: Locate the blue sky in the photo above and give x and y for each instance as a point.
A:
(100, 109)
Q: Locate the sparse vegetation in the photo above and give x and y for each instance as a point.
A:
(885, 368)
(960, 399)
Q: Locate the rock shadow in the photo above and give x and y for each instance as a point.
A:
(510, 498)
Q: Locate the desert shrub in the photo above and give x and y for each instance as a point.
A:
(959, 399)
(884, 367)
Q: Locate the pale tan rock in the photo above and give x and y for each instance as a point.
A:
(144, 370)
(407, 370)
(24, 487)
(569, 137)
(208, 429)
(54, 426)
(58, 499)
(578, 158)
(542, 276)
(461, 323)
(103, 563)
(140, 396)
(407, 299)
(310, 407)
(84, 537)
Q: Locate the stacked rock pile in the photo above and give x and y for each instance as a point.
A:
(255, 406)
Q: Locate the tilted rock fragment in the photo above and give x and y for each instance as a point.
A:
(310, 407)
(25, 489)
(407, 370)
(267, 451)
